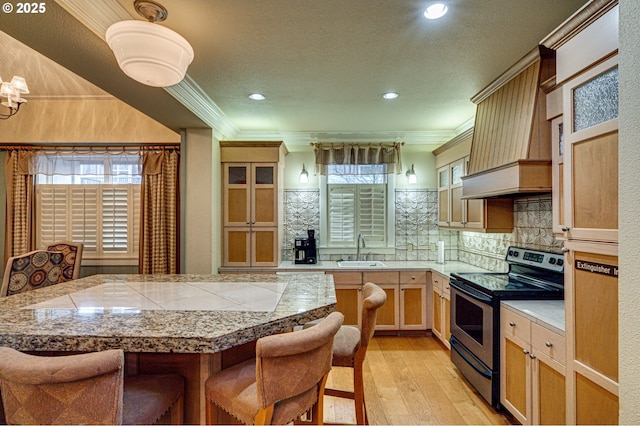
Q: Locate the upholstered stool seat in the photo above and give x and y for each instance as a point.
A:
(283, 382)
(84, 389)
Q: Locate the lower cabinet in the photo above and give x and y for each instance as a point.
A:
(532, 370)
(250, 246)
(349, 296)
(441, 326)
(406, 305)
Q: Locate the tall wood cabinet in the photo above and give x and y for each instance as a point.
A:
(583, 109)
(252, 208)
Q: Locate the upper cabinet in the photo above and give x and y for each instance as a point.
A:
(455, 212)
(511, 149)
(251, 182)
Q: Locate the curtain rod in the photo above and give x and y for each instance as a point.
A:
(356, 143)
(88, 148)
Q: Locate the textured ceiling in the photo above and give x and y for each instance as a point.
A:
(323, 65)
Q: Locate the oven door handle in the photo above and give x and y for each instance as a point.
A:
(458, 347)
(471, 293)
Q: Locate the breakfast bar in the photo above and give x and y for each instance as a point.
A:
(188, 324)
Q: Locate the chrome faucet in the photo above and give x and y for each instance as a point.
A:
(360, 237)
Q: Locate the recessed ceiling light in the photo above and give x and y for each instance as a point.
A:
(436, 11)
(390, 95)
(257, 97)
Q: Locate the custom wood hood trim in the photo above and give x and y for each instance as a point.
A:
(522, 177)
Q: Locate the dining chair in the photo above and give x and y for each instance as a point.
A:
(350, 347)
(29, 271)
(88, 388)
(284, 381)
(72, 258)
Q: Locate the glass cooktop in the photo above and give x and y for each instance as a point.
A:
(497, 282)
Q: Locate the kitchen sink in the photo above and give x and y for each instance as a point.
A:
(361, 264)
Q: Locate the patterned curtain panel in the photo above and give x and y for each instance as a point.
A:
(357, 154)
(20, 201)
(159, 238)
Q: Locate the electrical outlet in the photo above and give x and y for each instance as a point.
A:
(409, 247)
(432, 246)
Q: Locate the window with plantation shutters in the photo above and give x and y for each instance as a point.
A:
(105, 218)
(357, 209)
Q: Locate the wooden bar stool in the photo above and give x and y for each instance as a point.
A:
(350, 347)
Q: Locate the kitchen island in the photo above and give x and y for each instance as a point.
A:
(189, 324)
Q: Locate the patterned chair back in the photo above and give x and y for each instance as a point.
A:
(72, 253)
(31, 271)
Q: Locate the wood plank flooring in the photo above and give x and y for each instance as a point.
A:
(410, 380)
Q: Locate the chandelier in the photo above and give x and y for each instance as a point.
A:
(12, 91)
(147, 52)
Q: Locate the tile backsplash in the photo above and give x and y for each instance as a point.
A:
(417, 232)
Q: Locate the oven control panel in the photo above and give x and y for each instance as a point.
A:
(540, 259)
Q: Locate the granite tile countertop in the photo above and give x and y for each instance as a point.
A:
(547, 313)
(446, 268)
(87, 314)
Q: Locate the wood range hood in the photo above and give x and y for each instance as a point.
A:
(511, 146)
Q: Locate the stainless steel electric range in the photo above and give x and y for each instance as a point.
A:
(475, 311)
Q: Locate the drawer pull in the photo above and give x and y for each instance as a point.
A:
(532, 356)
(525, 351)
(548, 344)
(512, 324)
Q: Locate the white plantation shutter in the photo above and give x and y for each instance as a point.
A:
(372, 212)
(84, 216)
(342, 214)
(115, 222)
(53, 212)
(356, 209)
(105, 218)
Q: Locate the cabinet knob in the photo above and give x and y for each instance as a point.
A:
(447, 287)
(512, 324)
(402, 289)
(413, 277)
(564, 228)
(435, 281)
(525, 351)
(565, 249)
(532, 356)
(548, 344)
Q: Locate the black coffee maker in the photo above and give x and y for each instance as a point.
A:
(304, 250)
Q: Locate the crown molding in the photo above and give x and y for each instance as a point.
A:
(584, 17)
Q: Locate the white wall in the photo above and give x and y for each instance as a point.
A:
(629, 208)
(201, 207)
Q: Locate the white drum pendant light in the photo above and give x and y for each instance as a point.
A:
(149, 53)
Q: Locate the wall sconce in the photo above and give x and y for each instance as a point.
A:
(147, 52)
(12, 91)
(411, 175)
(304, 175)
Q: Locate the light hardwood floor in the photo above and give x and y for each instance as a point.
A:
(414, 383)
